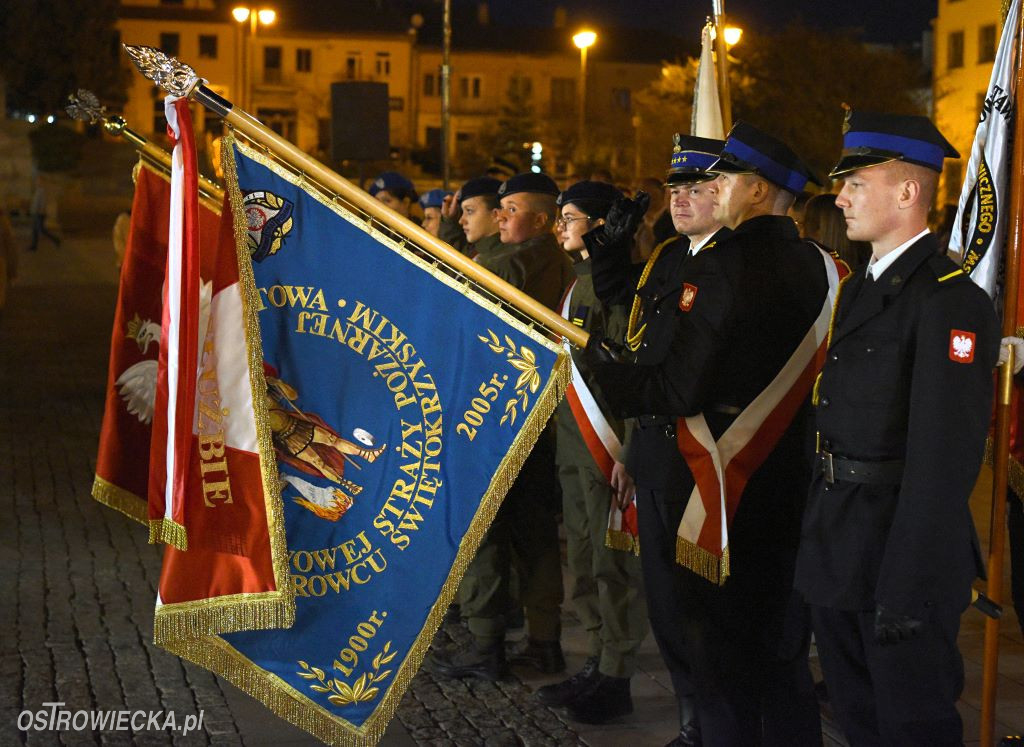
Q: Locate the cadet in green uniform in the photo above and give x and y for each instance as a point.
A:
(530, 259)
(606, 583)
(469, 218)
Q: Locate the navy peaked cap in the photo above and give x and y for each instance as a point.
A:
(691, 158)
(748, 150)
(870, 139)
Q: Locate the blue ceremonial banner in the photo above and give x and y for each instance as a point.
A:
(401, 404)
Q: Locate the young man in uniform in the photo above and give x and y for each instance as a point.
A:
(606, 590)
(530, 259)
(888, 551)
(651, 292)
(431, 203)
(395, 191)
(469, 218)
(730, 388)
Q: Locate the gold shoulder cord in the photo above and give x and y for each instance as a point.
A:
(634, 330)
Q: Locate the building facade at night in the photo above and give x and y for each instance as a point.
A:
(966, 35)
(282, 74)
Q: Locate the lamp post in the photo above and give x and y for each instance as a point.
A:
(583, 40)
(242, 14)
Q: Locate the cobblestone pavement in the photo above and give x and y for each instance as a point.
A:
(78, 580)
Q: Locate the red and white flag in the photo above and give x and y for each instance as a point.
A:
(122, 460)
(170, 452)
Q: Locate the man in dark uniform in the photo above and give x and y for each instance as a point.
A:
(752, 312)
(651, 293)
(525, 527)
(888, 550)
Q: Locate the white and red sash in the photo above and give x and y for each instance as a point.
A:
(721, 469)
(603, 444)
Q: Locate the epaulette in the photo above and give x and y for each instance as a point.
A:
(946, 270)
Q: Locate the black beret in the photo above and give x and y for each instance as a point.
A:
(529, 182)
(748, 150)
(589, 192)
(482, 185)
(870, 139)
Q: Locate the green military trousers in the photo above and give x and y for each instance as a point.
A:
(607, 591)
(525, 531)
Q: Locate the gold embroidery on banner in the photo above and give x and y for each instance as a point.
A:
(524, 361)
(218, 656)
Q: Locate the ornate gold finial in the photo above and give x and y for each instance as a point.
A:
(115, 124)
(85, 106)
(678, 145)
(175, 77)
(846, 117)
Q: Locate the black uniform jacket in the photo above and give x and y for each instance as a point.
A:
(908, 376)
(652, 459)
(752, 299)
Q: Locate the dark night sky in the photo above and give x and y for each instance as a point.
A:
(876, 17)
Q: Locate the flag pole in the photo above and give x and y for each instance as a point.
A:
(86, 107)
(181, 80)
(722, 63)
(1001, 436)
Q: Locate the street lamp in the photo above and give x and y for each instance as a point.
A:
(733, 35)
(583, 40)
(264, 16)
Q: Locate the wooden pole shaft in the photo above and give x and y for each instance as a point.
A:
(291, 155)
(1001, 437)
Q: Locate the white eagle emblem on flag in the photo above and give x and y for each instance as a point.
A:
(961, 346)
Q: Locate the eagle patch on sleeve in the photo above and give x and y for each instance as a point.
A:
(961, 346)
(687, 297)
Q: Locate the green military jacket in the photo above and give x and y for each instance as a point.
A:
(587, 311)
(537, 266)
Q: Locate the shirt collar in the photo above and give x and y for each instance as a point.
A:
(694, 248)
(878, 266)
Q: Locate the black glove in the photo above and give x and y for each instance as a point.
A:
(602, 351)
(892, 628)
(620, 224)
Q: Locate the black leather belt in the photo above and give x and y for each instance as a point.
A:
(838, 469)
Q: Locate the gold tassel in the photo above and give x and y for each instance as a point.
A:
(615, 539)
(119, 499)
(702, 562)
(169, 532)
(227, 614)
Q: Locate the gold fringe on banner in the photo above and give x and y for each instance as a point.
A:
(618, 540)
(702, 562)
(219, 657)
(119, 499)
(226, 614)
(169, 532)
